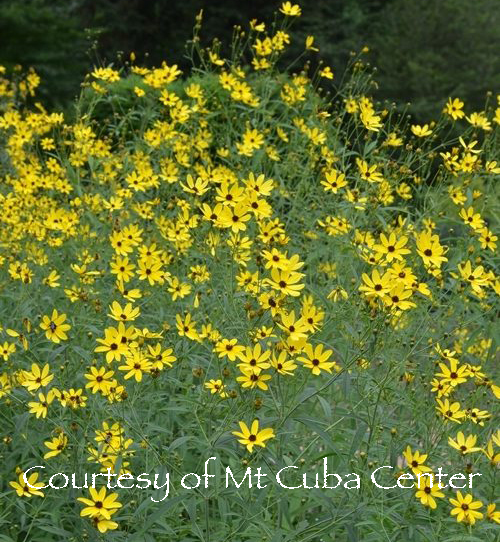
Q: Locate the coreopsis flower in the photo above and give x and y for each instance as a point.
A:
(186, 327)
(253, 379)
(371, 121)
(478, 416)
(475, 277)
(369, 173)
(450, 411)
(122, 268)
(254, 359)
(392, 247)
(415, 461)
(40, 408)
(454, 108)
(421, 131)
(99, 380)
(471, 218)
(229, 348)
(290, 10)
(253, 437)
(54, 327)
(6, 350)
(492, 513)
(428, 491)
(112, 344)
(27, 486)
(37, 378)
(56, 445)
(465, 445)
(296, 328)
(430, 249)
(376, 285)
(398, 298)
(479, 120)
(52, 280)
(283, 365)
(286, 282)
(488, 239)
(102, 524)
(216, 386)
(337, 293)
(123, 314)
(160, 357)
(334, 181)
(309, 44)
(326, 72)
(136, 363)
(466, 508)
(100, 504)
(317, 360)
(453, 374)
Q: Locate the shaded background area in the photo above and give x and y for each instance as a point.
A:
(424, 50)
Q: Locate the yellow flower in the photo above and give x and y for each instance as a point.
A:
(216, 386)
(99, 380)
(253, 437)
(450, 411)
(100, 504)
(465, 445)
(40, 409)
(428, 490)
(317, 360)
(37, 378)
(416, 461)
(453, 108)
(326, 72)
(466, 508)
(135, 364)
(309, 44)
(471, 218)
(421, 131)
(290, 10)
(56, 445)
(54, 327)
(23, 488)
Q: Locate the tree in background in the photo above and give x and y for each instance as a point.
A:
(426, 50)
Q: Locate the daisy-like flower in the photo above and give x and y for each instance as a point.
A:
(392, 247)
(216, 386)
(28, 486)
(136, 364)
(55, 446)
(465, 445)
(290, 10)
(317, 360)
(229, 348)
(37, 378)
(450, 411)
(428, 491)
(99, 380)
(466, 508)
(41, 408)
(376, 285)
(123, 314)
(100, 504)
(54, 327)
(416, 461)
(421, 131)
(453, 374)
(253, 437)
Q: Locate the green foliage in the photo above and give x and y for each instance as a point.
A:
(426, 50)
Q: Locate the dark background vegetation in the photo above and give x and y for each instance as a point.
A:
(425, 50)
